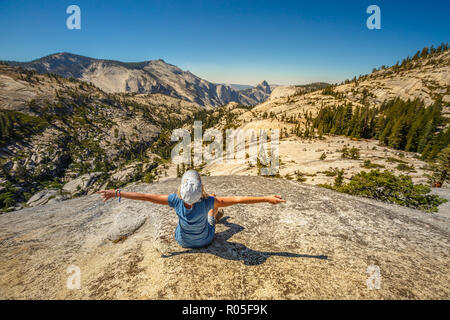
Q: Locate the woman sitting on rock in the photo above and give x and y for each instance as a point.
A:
(197, 211)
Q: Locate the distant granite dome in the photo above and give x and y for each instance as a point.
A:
(263, 85)
(153, 76)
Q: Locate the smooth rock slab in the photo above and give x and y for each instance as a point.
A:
(42, 197)
(125, 224)
(319, 244)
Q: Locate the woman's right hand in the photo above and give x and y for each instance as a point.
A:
(107, 194)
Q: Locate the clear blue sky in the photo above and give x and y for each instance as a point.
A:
(284, 42)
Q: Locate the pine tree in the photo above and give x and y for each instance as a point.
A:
(396, 139)
(425, 136)
(441, 167)
(404, 125)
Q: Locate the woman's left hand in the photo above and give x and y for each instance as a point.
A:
(275, 199)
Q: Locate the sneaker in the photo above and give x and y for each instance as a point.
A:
(219, 215)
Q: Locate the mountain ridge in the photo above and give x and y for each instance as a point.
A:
(151, 76)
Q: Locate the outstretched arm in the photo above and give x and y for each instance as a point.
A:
(155, 198)
(220, 202)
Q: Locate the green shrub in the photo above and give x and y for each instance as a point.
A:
(388, 187)
(405, 167)
(369, 165)
(345, 152)
(331, 172)
(7, 200)
(338, 181)
(51, 184)
(391, 159)
(149, 177)
(352, 153)
(300, 176)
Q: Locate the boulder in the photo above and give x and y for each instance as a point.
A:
(42, 197)
(125, 224)
(79, 185)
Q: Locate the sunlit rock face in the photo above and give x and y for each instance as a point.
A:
(319, 244)
(153, 76)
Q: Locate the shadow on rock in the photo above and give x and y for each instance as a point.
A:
(225, 249)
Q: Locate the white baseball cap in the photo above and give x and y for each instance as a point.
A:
(191, 187)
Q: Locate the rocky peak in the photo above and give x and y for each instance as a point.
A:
(263, 85)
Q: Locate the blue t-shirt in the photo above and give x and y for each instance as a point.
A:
(193, 229)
